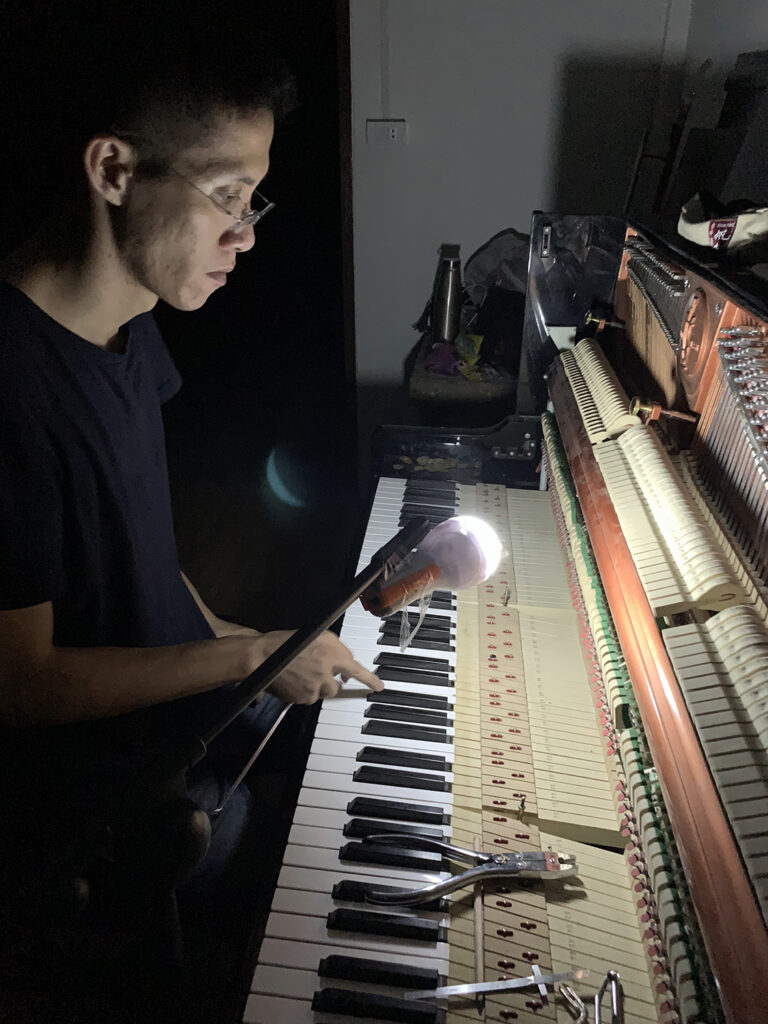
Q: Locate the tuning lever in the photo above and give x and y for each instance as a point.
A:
(601, 322)
(649, 411)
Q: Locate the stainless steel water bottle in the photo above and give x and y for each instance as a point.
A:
(446, 295)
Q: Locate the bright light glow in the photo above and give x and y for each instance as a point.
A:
(486, 539)
(279, 488)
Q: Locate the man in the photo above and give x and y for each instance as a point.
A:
(97, 620)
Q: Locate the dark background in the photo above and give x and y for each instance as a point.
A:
(265, 372)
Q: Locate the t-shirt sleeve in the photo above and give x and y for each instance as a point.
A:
(30, 517)
(167, 377)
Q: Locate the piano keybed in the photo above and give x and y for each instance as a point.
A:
(498, 719)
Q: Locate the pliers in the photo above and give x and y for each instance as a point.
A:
(488, 867)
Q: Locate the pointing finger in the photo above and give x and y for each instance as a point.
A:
(369, 679)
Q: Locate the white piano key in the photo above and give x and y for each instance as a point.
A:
(335, 799)
(305, 956)
(312, 929)
(351, 734)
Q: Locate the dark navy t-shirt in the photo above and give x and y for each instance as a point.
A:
(85, 513)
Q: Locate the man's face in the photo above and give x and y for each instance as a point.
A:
(175, 242)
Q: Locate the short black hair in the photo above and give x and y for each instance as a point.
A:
(160, 72)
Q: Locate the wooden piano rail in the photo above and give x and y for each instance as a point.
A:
(731, 924)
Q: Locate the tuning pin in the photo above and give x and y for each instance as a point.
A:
(649, 411)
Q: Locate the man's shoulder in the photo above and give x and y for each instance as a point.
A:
(21, 333)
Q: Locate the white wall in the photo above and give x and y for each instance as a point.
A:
(722, 29)
(484, 85)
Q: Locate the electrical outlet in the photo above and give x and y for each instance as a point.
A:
(385, 131)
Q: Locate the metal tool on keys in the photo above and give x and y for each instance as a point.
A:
(488, 867)
(535, 980)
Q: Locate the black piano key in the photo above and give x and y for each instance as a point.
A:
(444, 595)
(415, 492)
(409, 700)
(439, 622)
(407, 675)
(359, 828)
(430, 508)
(374, 922)
(376, 807)
(443, 603)
(432, 518)
(372, 776)
(396, 713)
(428, 487)
(390, 856)
(397, 659)
(403, 758)
(350, 891)
(403, 731)
(418, 641)
(364, 1005)
(374, 972)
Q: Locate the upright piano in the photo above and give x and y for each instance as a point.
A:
(604, 695)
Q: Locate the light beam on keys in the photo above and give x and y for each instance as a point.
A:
(458, 553)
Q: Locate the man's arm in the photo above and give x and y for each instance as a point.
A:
(290, 686)
(44, 684)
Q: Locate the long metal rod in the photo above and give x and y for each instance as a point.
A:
(506, 985)
(479, 916)
(250, 761)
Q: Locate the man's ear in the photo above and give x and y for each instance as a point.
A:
(109, 165)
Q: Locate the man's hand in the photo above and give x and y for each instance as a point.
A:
(311, 675)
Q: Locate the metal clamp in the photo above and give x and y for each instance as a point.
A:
(612, 979)
(488, 867)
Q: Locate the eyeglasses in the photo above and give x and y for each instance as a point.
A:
(243, 217)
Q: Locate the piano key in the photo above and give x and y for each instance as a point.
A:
(437, 603)
(375, 922)
(414, 676)
(343, 765)
(414, 700)
(351, 734)
(389, 640)
(359, 828)
(390, 856)
(314, 929)
(398, 713)
(413, 733)
(395, 777)
(321, 790)
(353, 968)
(398, 810)
(306, 956)
(409, 660)
(361, 1005)
(355, 891)
(428, 628)
(403, 759)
